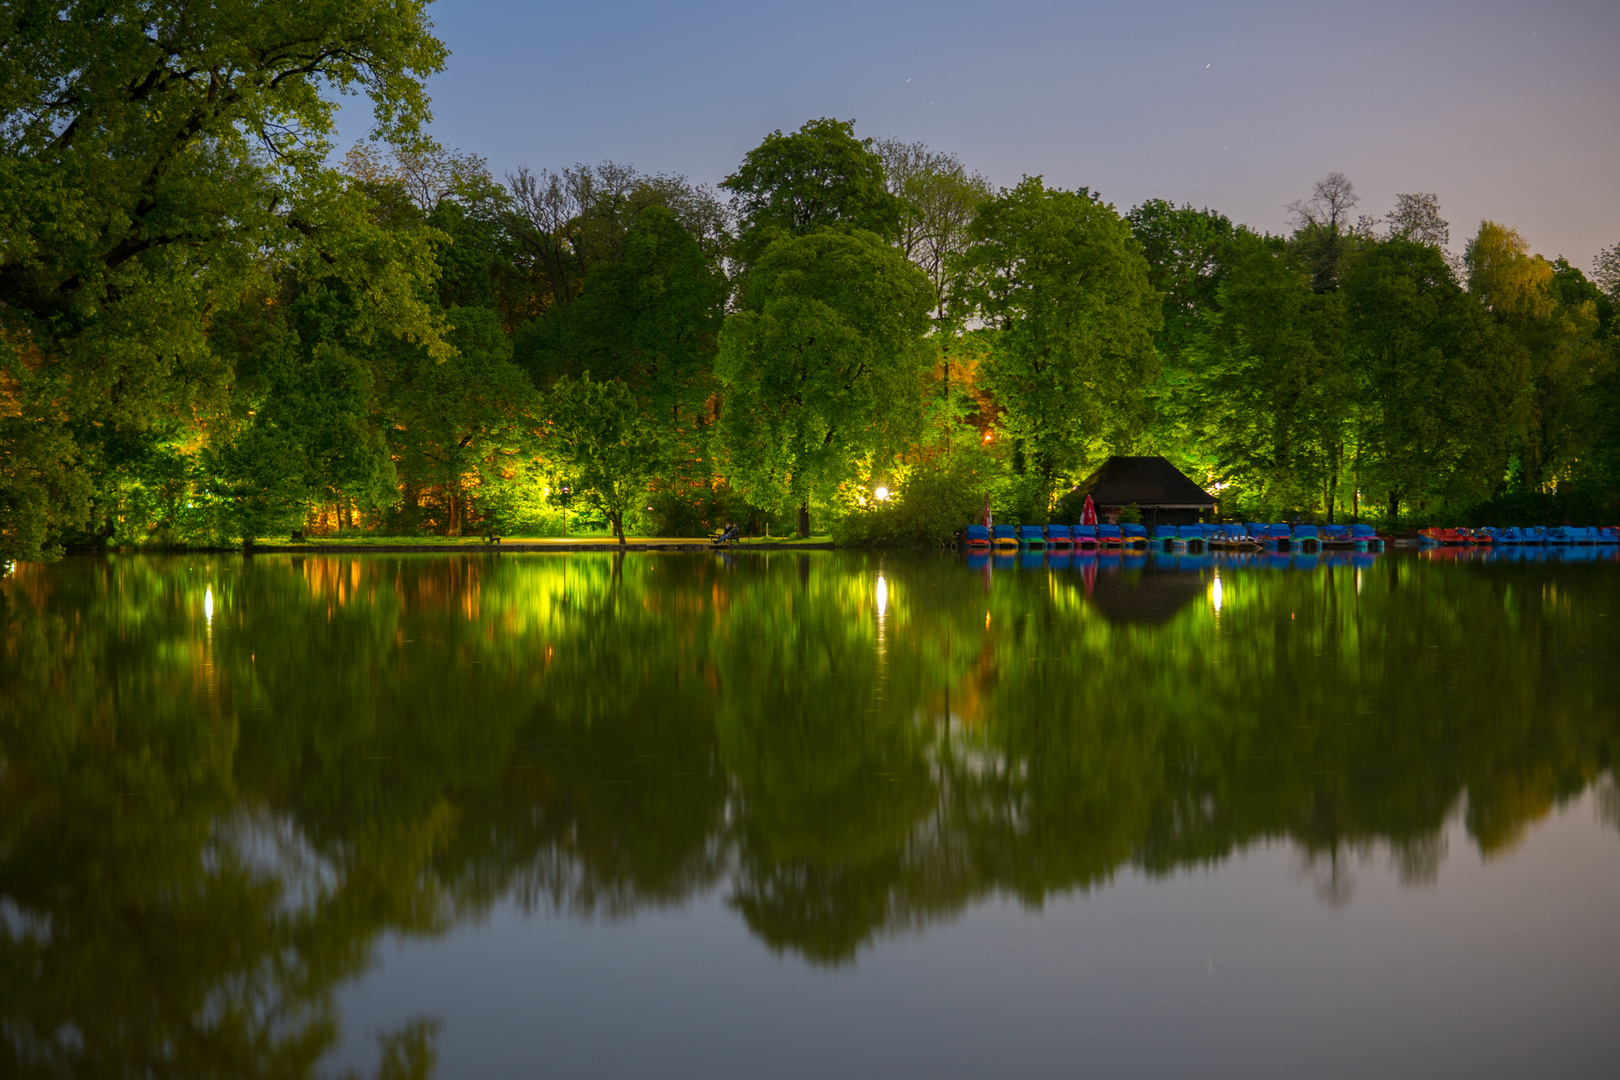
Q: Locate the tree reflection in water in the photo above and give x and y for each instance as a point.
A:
(209, 815)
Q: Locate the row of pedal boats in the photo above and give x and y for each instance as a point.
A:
(1241, 537)
(1563, 535)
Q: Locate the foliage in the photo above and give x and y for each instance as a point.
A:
(1063, 290)
(651, 319)
(938, 198)
(1438, 407)
(602, 445)
(154, 165)
(821, 364)
(820, 175)
(562, 224)
(934, 501)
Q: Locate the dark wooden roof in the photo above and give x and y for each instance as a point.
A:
(1145, 481)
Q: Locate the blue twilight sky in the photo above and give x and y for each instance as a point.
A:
(1508, 110)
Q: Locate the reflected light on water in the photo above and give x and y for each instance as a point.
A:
(882, 597)
(1215, 593)
(208, 605)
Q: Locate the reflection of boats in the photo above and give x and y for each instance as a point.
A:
(1438, 537)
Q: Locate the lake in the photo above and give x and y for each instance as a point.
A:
(811, 815)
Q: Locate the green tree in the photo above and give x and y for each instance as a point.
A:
(1325, 239)
(938, 198)
(1275, 394)
(651, 318)
(154, 164)
(1438, 389)
(1560, 351)
(821, 364)
(460, 426)
(562, 224)
(603, 442)
(1190, 255)
(1606, 272)
(1063, 288)
(817, 176)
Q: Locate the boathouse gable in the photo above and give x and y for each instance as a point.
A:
(1164, 494)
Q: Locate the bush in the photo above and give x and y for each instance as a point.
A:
(697, 511)
(932, 505)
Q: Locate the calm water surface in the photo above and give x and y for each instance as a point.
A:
(810, 815)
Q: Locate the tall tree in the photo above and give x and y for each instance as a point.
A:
(564, 223)
(1274, 395)
(651, 319)
(938, 198)
(1438, 388)
(1063, 287)
(154, 163)
(1417, 218)
(1323, 230)
(1190, 255)
(821, 364)
(603, 444)
(820, 175)
(1561, 355)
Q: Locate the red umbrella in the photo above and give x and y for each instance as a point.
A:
(988, 521)
(1088, 516)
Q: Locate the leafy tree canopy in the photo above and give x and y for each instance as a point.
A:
(821, 364)
(817, 176)
(1063, 286)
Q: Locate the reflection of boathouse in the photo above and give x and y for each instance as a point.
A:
(1161, 491)
(1151, 595)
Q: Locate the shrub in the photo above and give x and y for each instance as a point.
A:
(934, 502)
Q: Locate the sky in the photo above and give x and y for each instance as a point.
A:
(1506, 110)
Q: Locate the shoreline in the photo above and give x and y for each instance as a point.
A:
(521, 546)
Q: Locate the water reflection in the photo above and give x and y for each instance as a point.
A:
(223, 782)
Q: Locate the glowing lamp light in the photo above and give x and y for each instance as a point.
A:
(882, 596)
(882, 494)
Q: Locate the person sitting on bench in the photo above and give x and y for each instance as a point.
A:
(729, 535)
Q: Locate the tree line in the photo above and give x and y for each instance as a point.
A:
(211, 330)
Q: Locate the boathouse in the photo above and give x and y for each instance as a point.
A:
(1164, 494)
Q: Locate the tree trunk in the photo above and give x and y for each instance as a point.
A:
(804, 520)
(1394, 508)
(453, 526)
(618, 526)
